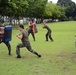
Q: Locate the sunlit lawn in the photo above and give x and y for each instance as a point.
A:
(57, 57)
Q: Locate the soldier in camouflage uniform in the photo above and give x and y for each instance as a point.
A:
(25, 42)
(30, 30)
(1, 39)
(49, 31)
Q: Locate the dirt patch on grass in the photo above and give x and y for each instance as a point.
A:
(73, 58)
(62, 54)
(66, 69)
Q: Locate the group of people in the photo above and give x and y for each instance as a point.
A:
(23, 36)
(44, 26)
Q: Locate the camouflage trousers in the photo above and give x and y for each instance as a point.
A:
(8, 46)
(0, 39)
(48, 34)
(32, 33)
(27, 45)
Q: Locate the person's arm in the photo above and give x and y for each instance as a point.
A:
(42, 26)
(29, 23)
(2, 30)
(19, 36)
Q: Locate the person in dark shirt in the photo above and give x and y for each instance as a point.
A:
(30, 29)
(2, 41)
(49, 31)
(25, 42)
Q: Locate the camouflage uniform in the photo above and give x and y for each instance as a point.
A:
(30, 30)
(48, 34)
(6, 43)
(32, 33)
(25, 43)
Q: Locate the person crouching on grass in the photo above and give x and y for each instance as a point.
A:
(48, 34)
(25, 42)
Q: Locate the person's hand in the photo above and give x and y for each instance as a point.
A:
(17, 35)
(26, 29)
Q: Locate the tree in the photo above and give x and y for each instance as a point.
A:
(21, 7)
(49, 10)
(62, 13)
(36, 8)
(70, 7)
(74, 13)
(54, 11)
(13, 7)
(65, 3)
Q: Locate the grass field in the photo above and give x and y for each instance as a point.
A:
(57, 57)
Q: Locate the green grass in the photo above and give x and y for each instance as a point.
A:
(57, 57)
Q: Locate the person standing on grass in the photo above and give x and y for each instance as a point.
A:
(2, 41)
(25, 42)
(48, 34)
(30, 30)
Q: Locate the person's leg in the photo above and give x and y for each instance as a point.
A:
(50, 36)
(32, 33)
(18, 49)
(47, 36)
(9, 47)
(29, 32)
(32, 51)
(0, 40)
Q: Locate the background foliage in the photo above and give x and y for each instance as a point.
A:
(63, 10)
